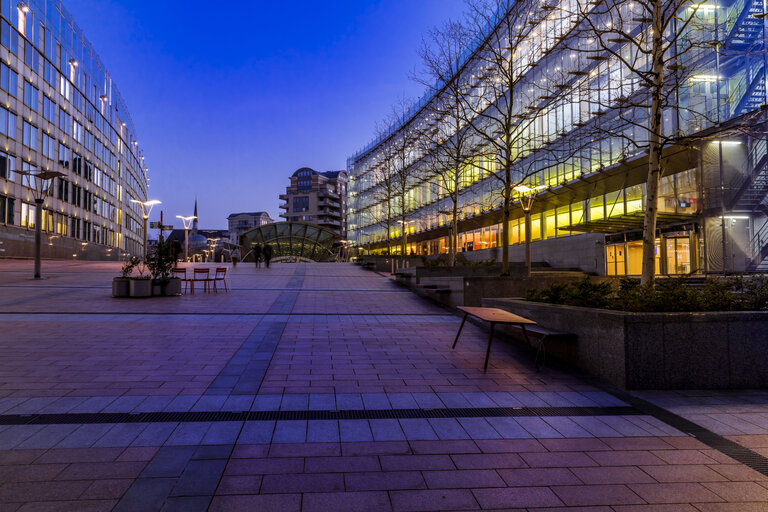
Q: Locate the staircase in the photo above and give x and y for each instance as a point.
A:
(759, 246)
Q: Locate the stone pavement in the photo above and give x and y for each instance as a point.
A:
(326, 387)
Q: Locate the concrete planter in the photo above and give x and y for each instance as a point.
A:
(713, 350)
(170, 288)
(141, 288)
(120, 287)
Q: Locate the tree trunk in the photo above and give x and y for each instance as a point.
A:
(454, 233)
(505, 237)
(654, 152)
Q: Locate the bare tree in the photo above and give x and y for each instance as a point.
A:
(637, 60)
(404, 153)
(509, 98)
(444, 138)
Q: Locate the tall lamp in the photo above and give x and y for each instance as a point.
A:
(41, 184)
(527, 195)
(187, 221)
(146, 210)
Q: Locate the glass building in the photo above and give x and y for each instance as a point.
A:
(60, 111)
(577, 148)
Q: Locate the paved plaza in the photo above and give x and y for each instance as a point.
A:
(325, 387)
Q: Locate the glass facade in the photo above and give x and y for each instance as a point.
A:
(593, 184)
(62, 112)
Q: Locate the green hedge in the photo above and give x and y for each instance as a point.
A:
(744, 293)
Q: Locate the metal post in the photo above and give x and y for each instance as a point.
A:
(528, 242)
(38, 228)
(186, 243)
(146, 249)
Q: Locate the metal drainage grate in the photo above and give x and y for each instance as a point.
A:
(372, 414)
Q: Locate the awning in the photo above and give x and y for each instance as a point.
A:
(630, 222)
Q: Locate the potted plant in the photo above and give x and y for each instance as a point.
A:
(141, 286)
(161, 263)
(121, 285)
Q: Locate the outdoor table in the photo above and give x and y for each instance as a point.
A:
(493, 316)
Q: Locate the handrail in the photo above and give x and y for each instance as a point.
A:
(759, 242)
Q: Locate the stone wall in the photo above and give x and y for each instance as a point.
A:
(717, 350)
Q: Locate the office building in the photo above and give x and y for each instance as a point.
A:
(60, 111)
(239, 223)
(318, 198)
(591, 189)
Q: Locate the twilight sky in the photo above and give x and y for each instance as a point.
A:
(229, 99)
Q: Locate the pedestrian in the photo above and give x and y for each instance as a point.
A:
(257, 254)
(267, 254)
(235, 255)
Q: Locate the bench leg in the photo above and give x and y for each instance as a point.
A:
(460, 328)
(488, 350)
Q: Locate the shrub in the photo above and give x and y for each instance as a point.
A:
(669, 295)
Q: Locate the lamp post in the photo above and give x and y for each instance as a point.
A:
(212, 243)
(187, 221)
(40, 182)
(527, 195)
(146, 210)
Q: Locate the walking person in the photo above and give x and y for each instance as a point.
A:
(267, 254)
(235, 255)
(257, 254)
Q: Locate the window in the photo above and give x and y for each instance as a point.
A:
(7, 123)
(30, 96)
(9, 37)
(49, 109)
(77, 164)
(65, 121)
(300, 204)
(29, 138)
(49, 147)
(50, 74)
(8, 80)
(65, 87)
(7, 166)
(27, 215)
(64, 155)
(89, 141)
(63, 190)
(77, 132)
(76, 195)
(32, 58)
(6, 210)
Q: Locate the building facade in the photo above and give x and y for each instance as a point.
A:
(317, 197)
(239, 223)
(60, 111)
(591, 185)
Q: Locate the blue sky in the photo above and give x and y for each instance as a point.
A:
(230, 98)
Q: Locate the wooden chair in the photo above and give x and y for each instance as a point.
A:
(200, 275)
(181, 273)
(220, 275)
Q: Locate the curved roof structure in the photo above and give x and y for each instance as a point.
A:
(302, 239)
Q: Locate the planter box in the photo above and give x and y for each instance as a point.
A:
(713, 350)
(171, 288)
(141, 287)
(120, 287)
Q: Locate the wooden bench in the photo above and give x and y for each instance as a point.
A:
(528, 328)
(493, 316)
(543, 336)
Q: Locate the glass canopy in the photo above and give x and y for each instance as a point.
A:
(291, 239)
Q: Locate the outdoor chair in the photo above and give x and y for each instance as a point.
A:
(181, 273)
(200, 275)
(220, 275)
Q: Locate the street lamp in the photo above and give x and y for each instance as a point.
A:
(146, 210)
(40, 183)
(527, 195)
(212, 243)
(187, 221)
